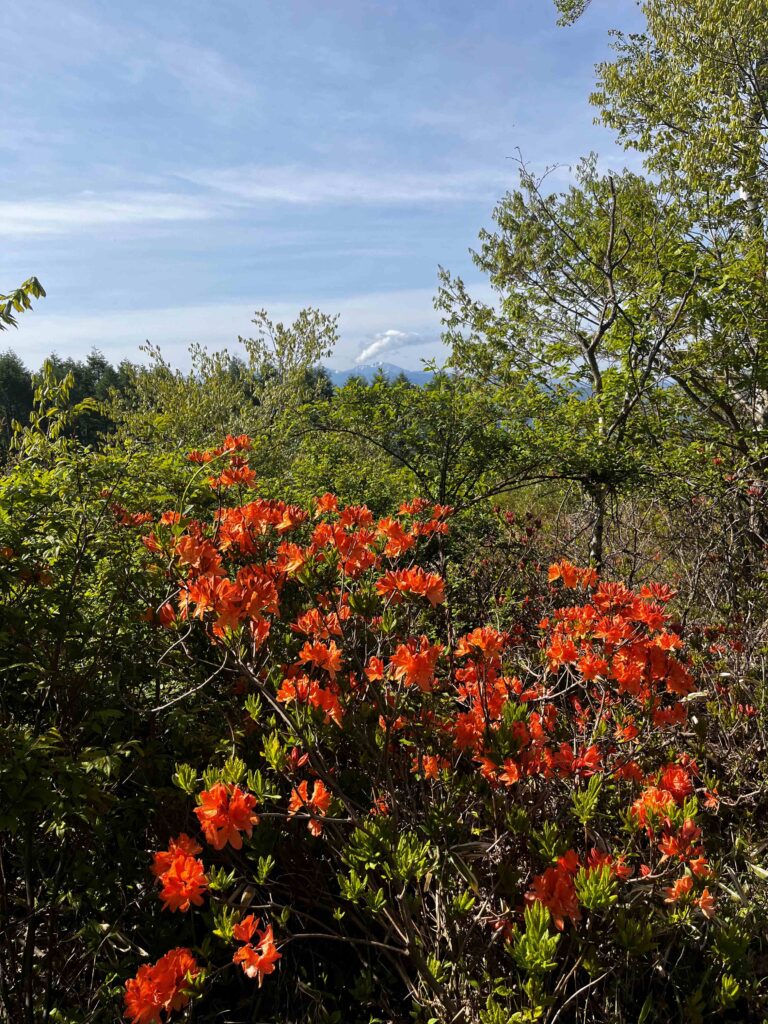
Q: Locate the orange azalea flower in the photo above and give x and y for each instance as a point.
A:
(324, 657)
(430, 765)
(658, 592)
(700, 867)
(706, 903)
(238, 472)
(488, 769)
(326, 503)
(374, 670)
(561, 651)
(159, 988)
(627, 731)
(316, 805)
(199, 554)
(557, 891)
(668, 641)
(677, 781)
(679, 889)
(442, 511)
(259, 960)
(224, 812)
(414, 663)
(239, 443)
(298, 689)
(652, 807)
(328, 702)
(398, 541)
(183, 883)
(404, 582)
(571, 575)
(511, 773)
(315, 623)
(485, 640)
(680, 843)
(244, 930)
(413, 507)
(591, 666)
(293, 516)
(304, 690)
(597, 859)
(163, 859)
(355, 515)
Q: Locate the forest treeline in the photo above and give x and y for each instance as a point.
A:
(440, 703)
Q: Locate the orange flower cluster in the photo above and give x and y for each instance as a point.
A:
(682, 890)
(556, 889)
(414, 663)
(300, 689)
(237, 472)
(622, 639)
(248, 595)
(256, 959)
(160, 988)
(484, 691)
(412, 583)
(224, 812)
(653, 810)
(652, 807)
(571, 575)
(316, 805)
(181, 875)
(239, 443)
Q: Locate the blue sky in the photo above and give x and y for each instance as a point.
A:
(167, 168)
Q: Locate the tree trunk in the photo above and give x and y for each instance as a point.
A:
(598, 497)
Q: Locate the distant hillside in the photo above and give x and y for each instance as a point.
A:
(369, 370)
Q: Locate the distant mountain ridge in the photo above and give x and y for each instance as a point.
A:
(369, 370)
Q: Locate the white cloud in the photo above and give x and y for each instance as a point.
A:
(88, 210)
(294, 184)
(391, 340)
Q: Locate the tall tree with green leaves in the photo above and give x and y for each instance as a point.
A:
(589, 299)
(691, 94)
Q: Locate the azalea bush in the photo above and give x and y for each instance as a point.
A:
(402, 819)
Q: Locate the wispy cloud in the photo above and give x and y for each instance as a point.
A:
(86, 210)
(295, 184)
(76, 40)
(386, 342)
(202, 72)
